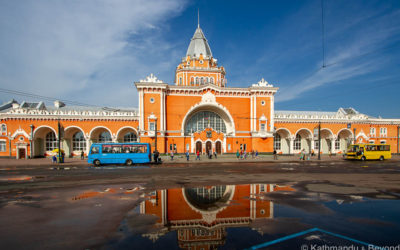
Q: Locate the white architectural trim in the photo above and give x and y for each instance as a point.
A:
(20, 131)
(285, 129)
(311, 134)
(349, 130)
(217, 108)
(44, 126)
(93, 129)
(119, 130)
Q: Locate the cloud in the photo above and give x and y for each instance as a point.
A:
(83, 50)
(358, 50)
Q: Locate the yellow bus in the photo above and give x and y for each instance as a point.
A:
(368, 152)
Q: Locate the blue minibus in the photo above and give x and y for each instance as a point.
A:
(119, 153)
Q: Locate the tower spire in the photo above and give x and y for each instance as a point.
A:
(198, 18)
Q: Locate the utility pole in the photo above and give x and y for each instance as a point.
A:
(31, 146)
(354, 135)
(155, 135)
(59, 140)
(398, 135)
(319, 140)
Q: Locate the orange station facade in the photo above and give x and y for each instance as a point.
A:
(197, 113)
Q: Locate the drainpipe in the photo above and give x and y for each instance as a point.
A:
(398, 135)
(31, 142)
(9, 142)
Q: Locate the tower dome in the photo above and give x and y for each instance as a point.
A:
(199, 45)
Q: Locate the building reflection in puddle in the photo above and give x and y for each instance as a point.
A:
(200, 216)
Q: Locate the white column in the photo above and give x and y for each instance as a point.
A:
(272, 112)
(87, 146)
(224, 145)
(141, 109)
(333, 150)
(255, 113)
(161, 111)
(251, 114)
(291, 148)
(192, 149)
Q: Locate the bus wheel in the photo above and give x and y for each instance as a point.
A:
(129, 162)
(96, 163)
(381, 158)
(363, 158)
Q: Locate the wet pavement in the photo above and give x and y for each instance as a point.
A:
(260, 205)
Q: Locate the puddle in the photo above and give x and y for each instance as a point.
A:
(258, 216)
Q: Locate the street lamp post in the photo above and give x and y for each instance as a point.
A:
(398, 135)
(59, 140)
(31, 141)
(319, 140)
(354, 135)
(155, 135)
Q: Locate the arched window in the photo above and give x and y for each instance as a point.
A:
(105, 137)
(297, 142)
(202, 81)
(337, 144)
(205, 119)
(3, 129)
(212, 80)
(78, 142)
(277, 142)
(51, 141)
(191, 80)
(197, 80)
(180, 80)
(130, 137)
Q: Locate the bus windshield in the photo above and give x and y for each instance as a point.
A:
(354, 148)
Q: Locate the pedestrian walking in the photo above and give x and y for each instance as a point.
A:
(275, 156)
(215, 155)
(172, 155)
(237, 154)
(82, 155)
(187, 155)
(198, 155)
(256, 154)
(54, 159)
(252, 154)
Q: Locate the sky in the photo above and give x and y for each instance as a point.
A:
(92, 52)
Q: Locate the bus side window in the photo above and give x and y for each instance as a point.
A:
(95, 150)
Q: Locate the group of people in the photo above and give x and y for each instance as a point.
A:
(242, 154)
(210, 155)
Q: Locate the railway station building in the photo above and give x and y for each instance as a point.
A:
(198, 112)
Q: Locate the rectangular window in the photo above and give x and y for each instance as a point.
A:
(277, 143)
(316, 145)
(372, 131)
(262, 128)
(152, 126)
(3, 147)
(262, 188)
(337, 144)
(383, 131)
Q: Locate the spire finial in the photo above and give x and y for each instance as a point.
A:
(198, 18)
